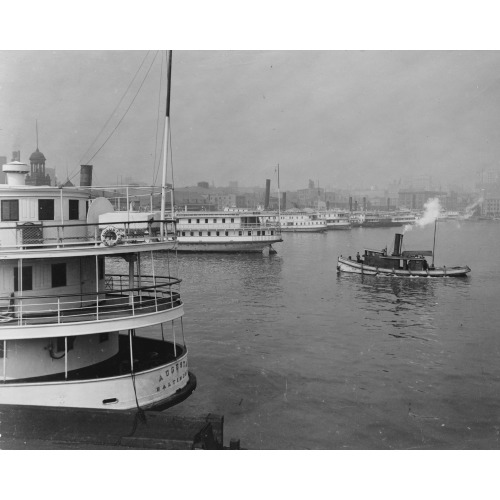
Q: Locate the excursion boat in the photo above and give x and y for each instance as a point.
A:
(89, 316)
(403, 219)
(336, 220)
(227, 231)
(407, 263)
(300, 222)
(74, 332)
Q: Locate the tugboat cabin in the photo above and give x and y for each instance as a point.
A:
(408, 260)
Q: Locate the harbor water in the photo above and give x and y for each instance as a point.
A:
(296, 356)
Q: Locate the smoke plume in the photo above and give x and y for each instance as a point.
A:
(431, 212)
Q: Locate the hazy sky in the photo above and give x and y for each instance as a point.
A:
(337, 117)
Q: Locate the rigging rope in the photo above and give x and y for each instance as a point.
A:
(124, 114)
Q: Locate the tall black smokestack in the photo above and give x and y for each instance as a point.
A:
(356, 206)
(268, 192)
(85, 175)
(283, 203)
(364, 204)
(398, 243)
(350, 203)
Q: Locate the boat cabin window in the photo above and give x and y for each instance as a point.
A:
(217, 233)
(209, 233)
(183, 233)
(189, 221)
(232, 220)
(200, 233)
(226, 233)
(215, 221)
(197, 221)
(206, 221)
(58, 275)
(191, 233)
(74, 209)
(10, 210)
(45, 209)
(27, 278)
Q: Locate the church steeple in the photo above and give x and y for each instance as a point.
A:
(37, 162)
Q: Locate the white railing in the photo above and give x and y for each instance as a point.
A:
(25, 236)
(148, 294)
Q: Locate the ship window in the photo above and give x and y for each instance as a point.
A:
(60, 344)
(45, 209)
(215, 221)
(223, 221)
(10, 210)
(258, 233)
(3, 353)
(217, 233)
(74, 209)
(189, 221)
(197, 221)
(103, 337)
(183, 233)
(240, 233)
(206, 221)
(58, 275)
(226, 233)
(209, 233)
(232, 220)
(249, 233)
(200, 233)
(27, 278)
(192, 233)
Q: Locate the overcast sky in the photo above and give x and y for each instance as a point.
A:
(338, 117)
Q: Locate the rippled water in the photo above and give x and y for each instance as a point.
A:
(296, 356)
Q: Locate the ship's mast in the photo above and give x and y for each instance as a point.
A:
(165, 148)
(434, 244)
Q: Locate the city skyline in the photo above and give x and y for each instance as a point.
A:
(339, 117)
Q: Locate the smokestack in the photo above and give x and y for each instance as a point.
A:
(268, 192)
(398, 243)
(356, 206)
(364, 204)
(350, 203)
(283, 203)
(85, 175)
(388, 204)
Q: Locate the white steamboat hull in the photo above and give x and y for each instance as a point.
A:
(224, 246)
(162, 386)
(349, 266)
(303, 229)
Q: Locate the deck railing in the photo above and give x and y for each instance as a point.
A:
(119, 299)
(48, 235)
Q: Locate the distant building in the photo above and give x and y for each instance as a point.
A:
(38, 176)
(415, 200)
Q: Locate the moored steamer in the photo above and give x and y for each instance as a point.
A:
(73, 331)
(227, 231)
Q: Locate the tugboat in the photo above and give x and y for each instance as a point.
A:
(407, 263)
(72, 332)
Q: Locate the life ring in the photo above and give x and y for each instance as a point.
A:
(110, 236)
